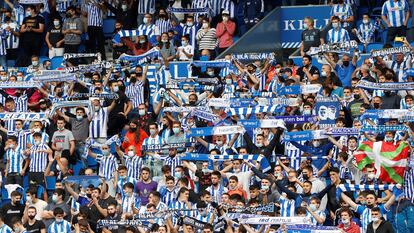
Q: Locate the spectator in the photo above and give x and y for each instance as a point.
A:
(190, 30)
(337, 34)
(252, 12)
(54, 39)
(12, 210)
(186, 51)
(12, 43)
(32, 224)
(395, 14)
(96, 43)
(344, 12)
(167, 47)
(72, 30)
(225, 31)
(206, 38)
(150, 30)
(311, 36)
(379, 224)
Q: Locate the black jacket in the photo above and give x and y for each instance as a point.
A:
(384, 227)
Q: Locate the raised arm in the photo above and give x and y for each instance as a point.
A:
(348, 200)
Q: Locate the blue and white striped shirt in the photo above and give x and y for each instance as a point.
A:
(19, 14)
(12, 41)
(343, 12)
(20, 102)
(365, 215)
(366, 32)
(287, 207)
(179, 205)
(94, 15)
(146, 7)
(201, 4)
(134, 165)
(22, 136)
(62, 227)
(191, 31)
(15, 158)
(45, 139)
(98, 126)
(217, 193)
(151, 31)
(121, 182)
(38, 159)
(168, 196)
(337, 36)
(229, 5)
(163, 25)
(127, 203)
(107, 165)
(5, 229)
(395, 12)
(135, 92)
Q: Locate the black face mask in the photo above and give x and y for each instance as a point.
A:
(89, 195)
(345, 63)
(376, 105)
(31, 217)
(357, 97)
(59, 94)
(68, 15)
(370, 206)
(132, 129)
(192, 103)
(7, 19)
(133, 80)
(138, 73)
(305, 176)
(387, 93)
(340, 1)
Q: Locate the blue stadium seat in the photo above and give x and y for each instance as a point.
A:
(376, 12)
(374, 46)
(11, 63)
(25, 181)
(361, 47)
(109, 27)
(77, 167)
(56, 62)
(50, 183)
(42, 59)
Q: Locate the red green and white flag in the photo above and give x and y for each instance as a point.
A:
(389, 159)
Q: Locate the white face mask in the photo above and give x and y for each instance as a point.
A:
(312, 207)
(153, 132)
(36, 130)
(190, 24)
(228, 81)
(316, 143)
(164, 40)
(116, 88)
(335, 25)
(375, 220)
(35, 63)
(141, 41)
(79, 118)
(131, 153)
(345, 221)
(145, 20)
(56, 23)
(307, 112)
(219, 143)
(19, 78)
(124, 7)
(365, 21)
(323, 73)
(305, 26)
(371, 176)
(225, 18)
(184, 43)
(3, 78)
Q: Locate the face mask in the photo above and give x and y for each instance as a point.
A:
(176, 130)
(335, 25)
(164, 40)
(105, 152)
(365, 21)
(259, 144)
(305, 176)
(61, 128)
(31, 217)
(54, 198)
(371, 176)
(132, 129)
(17, 230)
(340, 1)
(89, 195)
(3, 78)
(37, 143)
(357, 96)
(11, 146)
(141, 41)
(307, 112)
(376, 105)
(192, 103)
(210, 73)
(204, 170)
(124, 7)
(35, 63)
(370, 206)
(345, 63)
(409, 105)
(141, 112)
(29, 199)
(177, 175)
(219, 143)
(19, 78)
(68, 15)
(205, 25)
(145, 20)
(388, 139)
(225, 18)
(153, 132)
(190, 24)
(387, 93)
(236, 170)
(312, 207)
(316, 143)
(184, 43)
(305, 26)
(345, 221)
(375, 220)
(56, 23)
(265, 187)
(228, 81)
(131, 153)
(79, 118)
(59, 220)
(323, 73)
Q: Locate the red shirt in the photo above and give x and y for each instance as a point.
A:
(353, 228)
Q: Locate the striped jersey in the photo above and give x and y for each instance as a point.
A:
(173, 162)
(216, 193)
(62, 5)
(20, 102)
(128, 202)
(99, 123)
(19, 14)
(146, 6)
(94, 15)
(163, 25)
(15, 158)
(61, 227)
(343, 12)
(365, 215)
(337, 36)
(45, 139)
(216, 7)
(134, 165)
(107, 165)
(201, 4)
(38, 158)
(191, 31)
(135, 92)
(178, 205)
(287, 207)
(399, 68)
(395, 12)
(168, 196)
(317, 212)
(409, 183)
(5, 229)
(294, 153)
(366, 32)
(205, 219)
(22, 136)
(12, 41)
(122, 181)
(229, 5)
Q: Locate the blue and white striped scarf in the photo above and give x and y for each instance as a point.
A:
(140, 59)
(216, 63)
(264, 164)
(187, 10)
(55, 78)
(248, 111)
(385, 86)
(355, 187)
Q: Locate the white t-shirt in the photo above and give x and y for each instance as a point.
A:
(188, 49)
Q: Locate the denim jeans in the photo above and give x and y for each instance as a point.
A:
(404, 221)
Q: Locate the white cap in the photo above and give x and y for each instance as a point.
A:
(225, 12)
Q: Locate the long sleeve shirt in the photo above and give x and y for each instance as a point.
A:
(225, 33)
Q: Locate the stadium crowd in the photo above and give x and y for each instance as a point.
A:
(95, 146)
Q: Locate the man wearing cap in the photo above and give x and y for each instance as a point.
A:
(225, 31)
